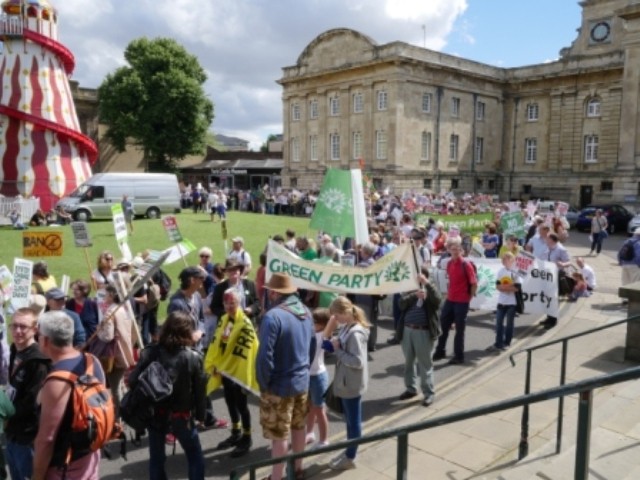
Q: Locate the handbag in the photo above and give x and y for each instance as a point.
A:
(333, 402)
(104, 351)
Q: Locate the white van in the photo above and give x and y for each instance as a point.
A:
(152, 194)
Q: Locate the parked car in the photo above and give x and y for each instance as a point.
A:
(617, 216)
(633, 224)
(572, 216)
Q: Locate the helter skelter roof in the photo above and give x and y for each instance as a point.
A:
(43, 4)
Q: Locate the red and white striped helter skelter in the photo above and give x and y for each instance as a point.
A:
(42, 150)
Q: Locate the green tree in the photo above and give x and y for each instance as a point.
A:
(264, 148)
(158, 102)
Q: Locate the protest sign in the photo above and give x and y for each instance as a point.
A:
(41, 244)
(119, 223)
(539, 287)
(512, 223)
(178, 251)
(524, 262)
(21, 283)
(465, 223)
(81, 234)
(393, 273)
(170, 224)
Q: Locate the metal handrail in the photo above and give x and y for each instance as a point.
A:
(523, 450)
(583, 387)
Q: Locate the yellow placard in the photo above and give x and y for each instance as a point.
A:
(41, 244)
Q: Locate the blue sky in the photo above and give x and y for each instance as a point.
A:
(243, 44)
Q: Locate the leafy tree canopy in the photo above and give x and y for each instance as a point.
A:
(158, 101)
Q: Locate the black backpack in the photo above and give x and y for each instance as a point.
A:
(628, 251)
(137, 407)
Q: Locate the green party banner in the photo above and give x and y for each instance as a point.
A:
(512, 223)
(466, 223)
(393, 273)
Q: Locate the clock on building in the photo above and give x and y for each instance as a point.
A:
(600, 31)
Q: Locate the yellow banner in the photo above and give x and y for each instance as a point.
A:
(41, 244)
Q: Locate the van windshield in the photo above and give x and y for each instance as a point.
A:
(80, 191)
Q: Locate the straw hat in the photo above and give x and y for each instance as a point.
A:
(281, 283)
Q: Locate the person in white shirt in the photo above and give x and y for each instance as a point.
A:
(240, 254)
(213, 204)
(588, 274)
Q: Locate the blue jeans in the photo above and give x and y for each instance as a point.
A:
(596, 243)
(504, 335)
(187, 434)
(19, 460)
(453, 312)
(353, 419)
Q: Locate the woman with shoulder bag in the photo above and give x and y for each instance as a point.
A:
(114, 335)
(351, 373)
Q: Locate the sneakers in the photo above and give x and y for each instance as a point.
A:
(310, 438)
(494, 349)
(232, 441)
(320, 445)
(406, 395)
(342, 463)
(170, 439)
(215, 423)
(242, 447)
(428, 400)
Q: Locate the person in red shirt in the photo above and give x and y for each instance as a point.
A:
(462, 288)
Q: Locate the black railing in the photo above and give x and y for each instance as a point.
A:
(523, 450)
(583, 387)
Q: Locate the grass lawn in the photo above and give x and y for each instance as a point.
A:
(198, 228)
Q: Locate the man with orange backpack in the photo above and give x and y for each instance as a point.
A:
(71, 431)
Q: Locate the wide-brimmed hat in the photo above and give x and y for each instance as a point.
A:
(281, 283)
(232, 264)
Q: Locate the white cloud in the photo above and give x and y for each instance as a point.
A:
(242, 44)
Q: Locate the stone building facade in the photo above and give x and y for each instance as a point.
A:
(424, 120)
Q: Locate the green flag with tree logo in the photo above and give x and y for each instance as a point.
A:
(340, 209)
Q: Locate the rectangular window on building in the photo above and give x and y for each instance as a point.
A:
(593, 108)
(295, 112)
(293, 182)
(606, 186)
(453, 148)
(530, 150)
(381, 145)
(532, 112)
(479, 150)
(526, 189)
(426, 103)
(491, 185)
(426, 183)
(591, 148)
(358, 102)
(425, 147)
(382, 99)
(455, 107)
(313, 147)
(480, 108)
(334, 146)
(334, 106)
(313, 109)
(479, 183)
(377, 183)
(295, 150)
(455, 183)
(357, 145)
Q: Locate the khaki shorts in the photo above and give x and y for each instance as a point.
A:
(280, 415)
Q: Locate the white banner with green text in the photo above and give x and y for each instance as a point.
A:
(394, 273)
